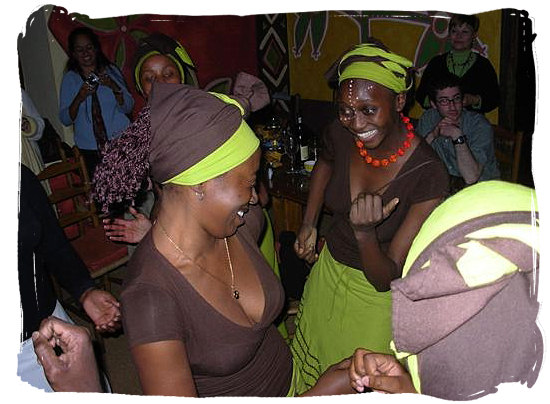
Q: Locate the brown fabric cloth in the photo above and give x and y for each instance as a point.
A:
(226, 359)
(469, 340)
(187, 124)
(422, 177)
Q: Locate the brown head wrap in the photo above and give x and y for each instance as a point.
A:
(187, 124)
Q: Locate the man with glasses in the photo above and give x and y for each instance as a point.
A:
(463, 139)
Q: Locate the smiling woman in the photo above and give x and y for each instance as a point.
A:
(199, 300)
(381, 182)
(478, 78)
(93, 98)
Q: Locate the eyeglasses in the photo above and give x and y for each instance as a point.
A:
(446, 101)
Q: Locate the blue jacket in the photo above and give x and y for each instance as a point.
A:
(114, 115)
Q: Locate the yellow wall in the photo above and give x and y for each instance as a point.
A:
(307, 74)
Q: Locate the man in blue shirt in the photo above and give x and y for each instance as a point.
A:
(463, 139)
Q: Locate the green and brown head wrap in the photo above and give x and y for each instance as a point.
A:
(196, 135)
(185, 136)
(464, 313)
(372, 61)
(160, 44)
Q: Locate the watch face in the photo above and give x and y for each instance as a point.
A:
(459, 140)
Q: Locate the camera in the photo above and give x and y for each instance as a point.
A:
(92, 80)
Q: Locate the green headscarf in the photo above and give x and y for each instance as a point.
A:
(371, 62)
(160, 44)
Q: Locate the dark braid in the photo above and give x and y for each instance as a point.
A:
(125, 164)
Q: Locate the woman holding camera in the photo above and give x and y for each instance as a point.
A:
(94, 97)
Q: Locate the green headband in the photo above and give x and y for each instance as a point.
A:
(236, 150)
(181, 53)
(503, 197)
(385, 68)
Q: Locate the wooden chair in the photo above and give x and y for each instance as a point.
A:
(508, 152)
(71, 201)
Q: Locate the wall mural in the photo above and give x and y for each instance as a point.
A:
(317, 39)
(220, 46)
(313, 26)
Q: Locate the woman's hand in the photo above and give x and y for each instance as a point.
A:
(471, 99)
(305, 243)
(102, 308)
(367, 211)
(380, 372)
(85, 90)
(128, 231)
(107, 81)
(333, 381)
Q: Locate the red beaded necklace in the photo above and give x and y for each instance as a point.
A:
(393, 157)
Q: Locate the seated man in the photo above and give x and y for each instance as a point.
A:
(463, 139)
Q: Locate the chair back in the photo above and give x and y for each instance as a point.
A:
(508, 152)
(70, 196)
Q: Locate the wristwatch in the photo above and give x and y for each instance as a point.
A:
(459, 140)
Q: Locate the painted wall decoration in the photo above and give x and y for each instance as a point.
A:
(273, 55)
(317, 39)
(220, 46)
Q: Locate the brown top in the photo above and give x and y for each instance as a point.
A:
(159, 304)
(422, 177)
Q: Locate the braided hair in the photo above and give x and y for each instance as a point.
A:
(125, 164)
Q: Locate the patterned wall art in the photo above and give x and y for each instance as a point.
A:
(273, 56)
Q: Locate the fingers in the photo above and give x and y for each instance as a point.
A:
(367, 210)
(44, 351)
(389, 384)
(389, 207)
(357, 369)
(116, 224)
(304, 246)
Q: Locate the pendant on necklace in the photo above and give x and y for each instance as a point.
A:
(236, 294)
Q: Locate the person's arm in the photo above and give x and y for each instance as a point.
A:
(73, 92)
(487, 94)
(307, 235)
(63, 262)
(431, 136)
(102, 308)
(379, 267)
(470, 169)
(75, 370)
(380, 372)
(163, 369)
(115, 81)
(29, 111)
(427, 127)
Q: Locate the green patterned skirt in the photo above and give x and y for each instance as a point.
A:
(339, 312)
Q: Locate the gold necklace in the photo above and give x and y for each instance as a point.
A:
(234, 292)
